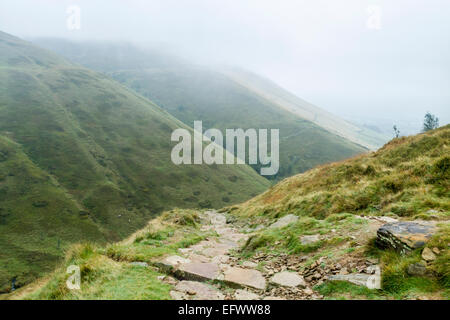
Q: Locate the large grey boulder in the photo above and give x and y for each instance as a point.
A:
(284, 221)
(404, 236)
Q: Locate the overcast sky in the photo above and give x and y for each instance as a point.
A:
(365, 60)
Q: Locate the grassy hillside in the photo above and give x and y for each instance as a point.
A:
(82, 157)
(406, 178)
(191, 93)
(341, 204)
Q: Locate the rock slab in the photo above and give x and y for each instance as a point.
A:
(404, 236)
(288, 279)
(245, 295)
(197, 290)
(284, 221)
(245, 277)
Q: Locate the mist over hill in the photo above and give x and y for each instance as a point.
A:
(84, 158)
(225, 98)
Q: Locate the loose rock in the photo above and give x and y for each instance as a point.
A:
(428, 255)
(417, 269)
(200, 291)
(245, 295)
(288, 279)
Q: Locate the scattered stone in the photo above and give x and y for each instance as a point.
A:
(170, 280)
(175, 261)
(308, 291)
(404, 236)
(245, 295)
(417, 269)
(249, 264)
(288, 279)
(428, 255)
(284, 221)
(273, 298)
(309, 239)
(343, 271)
(199, 291)
(436, 251)
(177, 295)
(245, 277)
(387, 219)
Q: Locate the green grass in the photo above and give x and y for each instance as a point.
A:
(103, 278)
(83, 157)
(407, 178)
(106, 272)
(339, 290)
(287, 239)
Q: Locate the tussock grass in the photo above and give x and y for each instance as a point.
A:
(408, 177)
(106, 272)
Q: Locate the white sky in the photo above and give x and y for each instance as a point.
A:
(321, 50)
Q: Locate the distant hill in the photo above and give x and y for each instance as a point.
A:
(84, 158)
(226, 99)
(368, 137)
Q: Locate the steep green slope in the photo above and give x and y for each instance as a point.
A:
(195, 93)
(407, 177)
(36, 214)
(102, 153)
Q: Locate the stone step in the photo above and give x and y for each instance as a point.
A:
(193, 290)
(244, 278)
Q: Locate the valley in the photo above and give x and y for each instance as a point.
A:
(273, 248)
(224, 99)
(85, 158)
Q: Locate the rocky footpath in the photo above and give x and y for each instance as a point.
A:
(210, 269)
